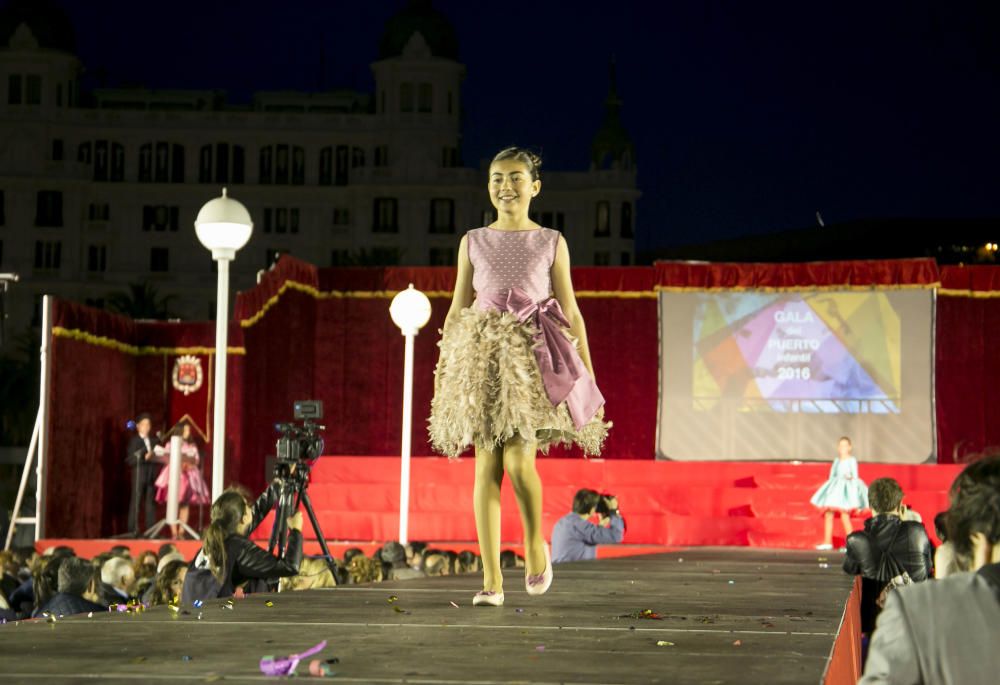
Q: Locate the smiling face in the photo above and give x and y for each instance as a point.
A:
(511, 186)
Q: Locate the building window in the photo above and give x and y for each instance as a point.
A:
(221, 163)
(48, 254)
(282, 164)
(603, 228)
(83, 153)
(57, 150)
(14, 86)
(449, 157)
(342, 161)
(442, 256)
(602, 258)
(489, 216)
(97, 258)
(426, 98)
(340, 257)
(99, 211)
(326, 166)
(48, 210)
(34, 90)
(381, 155)
(626, 230)
(159, 218)
(161, 163)
(385, 215)
(405, 97)
(383, 256)
(341, 216)
(357, 157)
(281, 220)
(159, 259)
(626, 258)
(108, 160)
(442, 215)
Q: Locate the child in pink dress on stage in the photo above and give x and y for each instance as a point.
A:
(192, 488)
(843, 492)
(514, 375)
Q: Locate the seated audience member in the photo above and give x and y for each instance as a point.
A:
(439, 562)
(8, 575)
(885, 533)
(122, 551)
(948, 631)
(575, 538)
(118, 581)
(415, 553)
(469, 562)
(364, 569)
(165, 549)
(314, 573)
(350, 553)
(510, 559)
(77, 590)
(230, 560)
(393, 556)
(169, 581)
(144, 567)
(45, 581)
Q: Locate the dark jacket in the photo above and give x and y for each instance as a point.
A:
(65, 604)
(910, 547)
(941, 632)
(135, 454)
(246, 563)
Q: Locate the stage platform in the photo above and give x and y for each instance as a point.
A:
(710, 503)
(728, 616)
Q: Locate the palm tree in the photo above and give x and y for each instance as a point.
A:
(142, 301)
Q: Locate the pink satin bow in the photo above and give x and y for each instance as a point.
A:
(563, 372)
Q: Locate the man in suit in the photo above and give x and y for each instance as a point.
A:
(947, 631)
(139, 457)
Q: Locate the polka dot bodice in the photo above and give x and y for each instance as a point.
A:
(504, 259)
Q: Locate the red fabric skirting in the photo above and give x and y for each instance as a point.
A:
(861, 273)
(845, 659)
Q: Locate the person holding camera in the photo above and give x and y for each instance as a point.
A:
(229, 560)
(575, 537)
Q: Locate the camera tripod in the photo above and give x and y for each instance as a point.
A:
(293, 490)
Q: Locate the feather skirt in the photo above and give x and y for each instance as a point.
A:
(488, 388)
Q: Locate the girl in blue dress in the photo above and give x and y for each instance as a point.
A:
(843, 492)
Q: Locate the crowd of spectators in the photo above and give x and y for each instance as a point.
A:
(58, 583)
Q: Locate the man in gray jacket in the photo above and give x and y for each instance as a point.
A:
(947, 631)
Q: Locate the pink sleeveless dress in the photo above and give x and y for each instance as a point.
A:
(508, 365)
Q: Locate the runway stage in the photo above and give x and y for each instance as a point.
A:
(732, 616)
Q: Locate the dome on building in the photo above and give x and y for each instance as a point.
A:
(48, 23)
(612, 147)
(419, 17)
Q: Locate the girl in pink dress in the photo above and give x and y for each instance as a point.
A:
(514, 374)
(192, 488)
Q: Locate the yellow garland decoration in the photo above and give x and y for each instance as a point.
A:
(135, 350)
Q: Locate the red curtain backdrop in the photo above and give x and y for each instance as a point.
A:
(326, 334)
(105, 370)
(967, 361)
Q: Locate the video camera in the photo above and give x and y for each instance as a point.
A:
(602, 505)
(301, 442)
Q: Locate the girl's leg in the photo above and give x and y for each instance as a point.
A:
(182, 513)
(845, 520)
(519, 463)
(486, 503)
(828, 527)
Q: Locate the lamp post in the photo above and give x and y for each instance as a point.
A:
(223, 226)
(410, 310)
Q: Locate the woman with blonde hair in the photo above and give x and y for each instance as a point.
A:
(514, 374)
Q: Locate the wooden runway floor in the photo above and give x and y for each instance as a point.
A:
(734, 615)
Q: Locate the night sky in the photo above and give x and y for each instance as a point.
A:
(747, 117)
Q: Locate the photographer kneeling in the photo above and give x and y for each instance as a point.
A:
(575, 538)
(229, 560)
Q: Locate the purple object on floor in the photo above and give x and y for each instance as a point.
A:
(279, 666)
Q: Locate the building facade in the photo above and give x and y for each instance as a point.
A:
(99, 190)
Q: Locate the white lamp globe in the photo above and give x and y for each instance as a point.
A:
(223, 226)
(410, 310)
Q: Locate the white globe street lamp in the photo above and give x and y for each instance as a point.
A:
(410, 310)
(223, 226)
